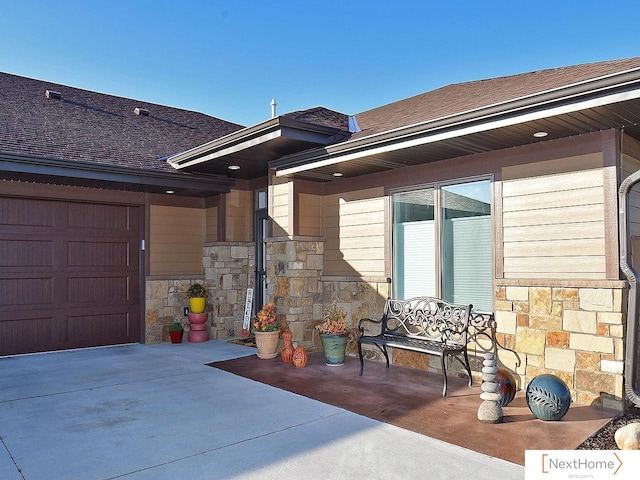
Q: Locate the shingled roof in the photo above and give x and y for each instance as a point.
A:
(95, 128)
(480, 116)
(463, 97)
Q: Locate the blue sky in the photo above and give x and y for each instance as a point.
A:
(230, 58)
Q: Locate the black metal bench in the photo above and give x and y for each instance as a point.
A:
(422, 324)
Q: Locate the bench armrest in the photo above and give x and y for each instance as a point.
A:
(363, 321)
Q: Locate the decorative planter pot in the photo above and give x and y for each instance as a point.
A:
(176, 336)
(197, 305)
(197, 328)
(197, 317)
(267, 344)
(335, 347)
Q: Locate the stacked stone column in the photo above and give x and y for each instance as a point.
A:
(490, 410)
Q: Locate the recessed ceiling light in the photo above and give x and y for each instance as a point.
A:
(540, 134)
(234, 167)
(169, 191)
(337, 174)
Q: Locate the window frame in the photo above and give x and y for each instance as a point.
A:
(437, 187)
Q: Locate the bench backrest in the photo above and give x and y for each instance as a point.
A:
(427, 318)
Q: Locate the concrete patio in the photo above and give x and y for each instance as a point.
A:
(158, 412)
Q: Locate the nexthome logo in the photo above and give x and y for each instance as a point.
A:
(581, 464)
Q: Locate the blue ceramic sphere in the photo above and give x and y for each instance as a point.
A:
(548, 397)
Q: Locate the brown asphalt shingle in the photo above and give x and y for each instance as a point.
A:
(90, 127)
(461, 97)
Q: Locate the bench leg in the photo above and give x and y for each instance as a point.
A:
(361, 359)
(468, 367)
(386, 354)
(443, 359)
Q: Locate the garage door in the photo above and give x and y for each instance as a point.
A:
(69, 275)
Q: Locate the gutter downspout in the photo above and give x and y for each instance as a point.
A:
(633, 303)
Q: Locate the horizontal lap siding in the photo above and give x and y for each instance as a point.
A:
(239, 216)
(310, 216)
(175, 241)
(354, 233)
(211, 217)
(554, 224)
(280, 209)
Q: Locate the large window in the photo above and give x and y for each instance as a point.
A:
(442, 243)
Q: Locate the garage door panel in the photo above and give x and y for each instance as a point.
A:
(69, 275)
(39, 333)
(26, 290)
(26, 253)
(100, 217)
(102, 290)
(87, 253)
(95, 329)
(26, 212)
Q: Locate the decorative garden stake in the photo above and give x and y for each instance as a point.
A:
(490, 410)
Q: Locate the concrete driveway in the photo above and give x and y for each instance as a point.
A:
(158, 412)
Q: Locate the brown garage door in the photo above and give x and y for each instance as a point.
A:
(69, 275)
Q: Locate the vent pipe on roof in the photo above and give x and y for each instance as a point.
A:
(273, 107)
(143, 112)
(353, 124)
(53, 95)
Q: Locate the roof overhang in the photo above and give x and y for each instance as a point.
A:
(608, 102)
(248, 151)
(67, 172)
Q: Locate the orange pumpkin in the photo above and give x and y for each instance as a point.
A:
(299, 357)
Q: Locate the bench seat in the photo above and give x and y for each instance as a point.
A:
(422, 324)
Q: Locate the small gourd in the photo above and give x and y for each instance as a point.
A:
(299, 357)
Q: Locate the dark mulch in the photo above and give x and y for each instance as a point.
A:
(604, 439)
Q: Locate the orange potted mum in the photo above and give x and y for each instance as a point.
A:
(267, 331)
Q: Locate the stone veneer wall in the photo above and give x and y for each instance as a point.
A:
(165, 300)
(229, 267)
(574, 332)
(359, 298)
(294, 266)
(229, 271)
(301, 292)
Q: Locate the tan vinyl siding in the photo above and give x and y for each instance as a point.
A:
(211, 216)
(239, 216)
(280, 209)
(554, 223)
(354, 233)
(175, 241)
(310, 214)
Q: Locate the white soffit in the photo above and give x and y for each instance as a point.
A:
(459, 132)
(225, 151)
